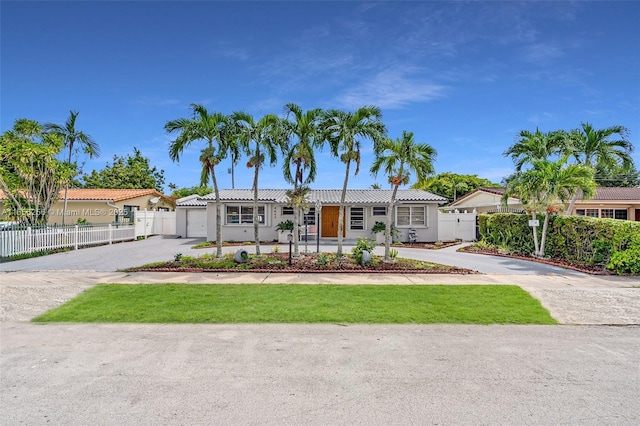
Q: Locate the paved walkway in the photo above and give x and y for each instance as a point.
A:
(32, 286)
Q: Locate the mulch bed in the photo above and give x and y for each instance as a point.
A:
(428, 246)
(307, 263)
(567, 264)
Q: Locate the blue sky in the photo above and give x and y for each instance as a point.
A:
(465, 77)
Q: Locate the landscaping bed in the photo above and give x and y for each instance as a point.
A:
(437, 245)
(279, 262)
(567, 264)
(429, 246)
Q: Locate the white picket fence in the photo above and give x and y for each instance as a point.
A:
(457, 226)
(29, 240)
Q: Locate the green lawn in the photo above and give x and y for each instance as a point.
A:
(248, 303)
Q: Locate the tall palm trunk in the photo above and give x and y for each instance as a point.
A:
(296, 216)
(544, 234)
(66, 189)
(341, 210)
(572, 204)
(535, 233)
(387, 230)
(256, 230)
(218, 213)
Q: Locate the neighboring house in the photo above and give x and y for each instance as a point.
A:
(607, 202)
(486, 200)
(610, 202)
(105, 205)
(415, 209)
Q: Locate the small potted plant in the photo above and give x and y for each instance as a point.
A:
(284, 228)
(379, 228)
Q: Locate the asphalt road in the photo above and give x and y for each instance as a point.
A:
(319, 375)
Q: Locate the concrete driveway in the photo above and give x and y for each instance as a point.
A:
(109, 257)
(157, 248)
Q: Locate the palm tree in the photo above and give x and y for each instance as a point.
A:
(264, 134)
(536, 146)
(209, 127)
(299, 153)
(547, 182)
(342, 130)
(399, 159)
(70, 136)
(594, 148)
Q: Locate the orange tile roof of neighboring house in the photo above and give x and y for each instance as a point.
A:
(111, 194)
(114, 195)
(614, 194)
(490, 190)
(493, 189)
(602, 194)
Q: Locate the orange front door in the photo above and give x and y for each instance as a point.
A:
(330, 221)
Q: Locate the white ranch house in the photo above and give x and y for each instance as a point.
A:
(414, 209)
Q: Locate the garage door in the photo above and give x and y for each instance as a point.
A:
(196, 223)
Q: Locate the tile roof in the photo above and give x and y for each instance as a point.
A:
(491, 190)
(614, 194)
(330, 196)
(111, 194)
(100, 194)
(601, 194)
(191, 201)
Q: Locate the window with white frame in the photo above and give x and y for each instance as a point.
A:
(620, 214)
(411, 216)
(356, 216)
(287, 211)
(244, 215)
(310, 217)
(606, 213)
(379, 211)
(592, 212)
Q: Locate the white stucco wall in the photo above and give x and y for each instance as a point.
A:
(273, 216)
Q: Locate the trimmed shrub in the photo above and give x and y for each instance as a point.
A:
(608, 243)
(627, 261)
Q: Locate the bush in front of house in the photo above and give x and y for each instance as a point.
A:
(608, 243)
(508, 231)
(627, 261)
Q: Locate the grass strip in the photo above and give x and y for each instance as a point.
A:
(297, 303)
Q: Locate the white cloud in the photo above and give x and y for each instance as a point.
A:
(542, 52)
(542, 117)
(494, 174)
(156, 102)
(392, 88)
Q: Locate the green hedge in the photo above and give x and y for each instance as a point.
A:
(610, 243)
